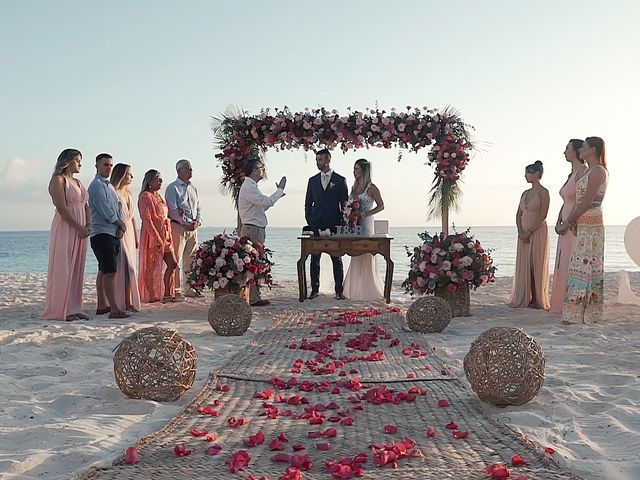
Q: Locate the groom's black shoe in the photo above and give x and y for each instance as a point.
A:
(313, 295)
(339, 296)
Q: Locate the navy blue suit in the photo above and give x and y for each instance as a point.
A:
(322, 210)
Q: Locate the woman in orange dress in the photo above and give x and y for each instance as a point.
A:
(125, 282)
(70, 229)
(157, 260)
(567, 237)
(531, 277)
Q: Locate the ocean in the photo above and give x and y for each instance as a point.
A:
(28, 251)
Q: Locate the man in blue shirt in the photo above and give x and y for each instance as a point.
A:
(184, 212)
(106, 232)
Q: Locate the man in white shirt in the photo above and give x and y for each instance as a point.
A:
(252, 205)
(184, 212)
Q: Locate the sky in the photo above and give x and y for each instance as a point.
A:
(141, 80)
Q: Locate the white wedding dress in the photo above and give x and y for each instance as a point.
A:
(363, 281)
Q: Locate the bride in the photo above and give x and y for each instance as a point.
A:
(362, 281)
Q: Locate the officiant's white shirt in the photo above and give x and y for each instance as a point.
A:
(252, 203)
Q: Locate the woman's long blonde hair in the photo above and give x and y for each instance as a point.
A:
(117, 175)
(365, 180)
(64, 159)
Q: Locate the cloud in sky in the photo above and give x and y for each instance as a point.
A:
(15, 173)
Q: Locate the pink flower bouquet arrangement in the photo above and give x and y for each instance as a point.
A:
(230, 261)
(449, 262)
(351, 212)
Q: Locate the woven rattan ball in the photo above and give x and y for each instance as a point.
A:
(229, 315)
(505, 366)
(429, 314)
(155, 364)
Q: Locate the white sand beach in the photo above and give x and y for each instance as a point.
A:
(62, 412)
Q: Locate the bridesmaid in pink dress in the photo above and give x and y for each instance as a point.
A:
(70, 229)
(531, 276)
(567, 238)
(156, 248)
(126, 279)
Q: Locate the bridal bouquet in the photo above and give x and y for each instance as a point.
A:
(449, 262)
(351, 212)
(229, 261)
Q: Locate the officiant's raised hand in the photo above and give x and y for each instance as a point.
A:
(283, 182)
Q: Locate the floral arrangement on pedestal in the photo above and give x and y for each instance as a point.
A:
(239, 135)
(229, 261)
(448, 262)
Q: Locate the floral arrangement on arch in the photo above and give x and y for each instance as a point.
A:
(230, 261)
(448, 261)
(239, 135)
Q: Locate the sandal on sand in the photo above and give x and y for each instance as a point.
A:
(118, 315)
(102, 311)
(82, 316)
(166, 299)
(71, 318)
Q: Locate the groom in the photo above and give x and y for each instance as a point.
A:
(326, 196)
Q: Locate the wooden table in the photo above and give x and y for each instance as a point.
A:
(338, 246)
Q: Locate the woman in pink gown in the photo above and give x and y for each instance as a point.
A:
(567, 238)
(70, 229)
(156, 249)
(126, 281)
(531, 277)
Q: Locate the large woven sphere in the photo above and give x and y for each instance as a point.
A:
(229, 315)
(429, 314)
(505, 366)
(156, 364)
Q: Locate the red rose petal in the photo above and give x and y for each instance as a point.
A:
(549, 451)
(431, 432)
(460, 434)
(131, 456)
(443, 403)
(314, 434)
(330, 432)
(323, 446)
(181, 451)
(238, 461)
(281, 457)
(214, 449)
(390, 429)
(198, 433)
(451, 426)
(297, 447)
(518, 461)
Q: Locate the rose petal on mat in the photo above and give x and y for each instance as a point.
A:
(222, 387)
(302, 462)
(431, 432)
(297, 447)
(549, 451)
(442, 403)
(211, 437)
(291, 473)
(330, 432)
(460, 434)
(276, 444)
(497, 471)
(314, 434)
(518, 461)
(281, 457)
(451, 426)
(214, 449)
(390, 429)
(131, 456)
(236, 422)
(254, 440)
(347, 422)
(198, 433)
(238, 461)
(323, 446)
(181, 451)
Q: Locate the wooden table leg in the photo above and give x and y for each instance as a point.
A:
(388, 280)
(302, 279)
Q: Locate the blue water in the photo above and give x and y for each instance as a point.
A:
(29, 251)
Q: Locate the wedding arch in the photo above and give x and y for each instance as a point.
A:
(239, 135)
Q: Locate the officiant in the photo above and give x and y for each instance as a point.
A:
(326, 195)
(252, 207)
